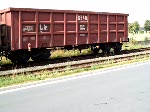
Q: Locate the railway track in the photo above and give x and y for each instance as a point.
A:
(75, 62)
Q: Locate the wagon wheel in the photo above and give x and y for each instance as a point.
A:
(23, 57)
(35, 55)
(19, 56)
(95, 49)
(106, 50)
(12, 58)
(117, 48)
(45, 54)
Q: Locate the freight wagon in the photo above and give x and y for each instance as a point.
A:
(26, 32)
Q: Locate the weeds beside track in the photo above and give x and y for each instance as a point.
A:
(30, 74)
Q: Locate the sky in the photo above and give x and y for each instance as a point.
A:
(137, 10)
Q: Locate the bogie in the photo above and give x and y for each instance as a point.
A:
(39, 54)
(20, 56)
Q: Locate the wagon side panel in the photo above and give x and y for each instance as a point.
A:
(28, 31)
(82, 28)
(103, 28)
(113, 28)
(44, 22)
(9, 26)
(15, 31)
(58, 29)
(70, 29)
(93, 28)
(5, 19)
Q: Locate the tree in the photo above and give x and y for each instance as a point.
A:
(134, 27)
(130, 27)
(147, 25)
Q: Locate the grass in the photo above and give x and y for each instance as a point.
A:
(30, 77)
(66, 53)
(132, 45)
(139, 37)
(5, 61)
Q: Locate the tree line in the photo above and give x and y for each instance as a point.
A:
(135, 26)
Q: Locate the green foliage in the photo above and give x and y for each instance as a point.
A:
(141, 32)
(133, 41)
(5, 61)
(146, 39)
(132, 44)
(66, 53)
(134, 27)
(147, 25)
(130, 28)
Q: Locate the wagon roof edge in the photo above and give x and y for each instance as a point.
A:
(57, 10)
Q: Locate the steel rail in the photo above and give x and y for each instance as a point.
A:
(78, 64)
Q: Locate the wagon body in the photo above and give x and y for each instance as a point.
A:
(42, 28)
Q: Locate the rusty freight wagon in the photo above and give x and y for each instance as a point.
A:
(26, 33)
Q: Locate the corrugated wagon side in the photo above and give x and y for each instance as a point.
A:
(33, 32)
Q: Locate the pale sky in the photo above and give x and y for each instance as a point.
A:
(138, 10)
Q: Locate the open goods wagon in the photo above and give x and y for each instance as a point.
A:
(26, 33)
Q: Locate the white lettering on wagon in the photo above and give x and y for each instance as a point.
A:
(82, 35)
(82, 18)
(83, 27)
(44, 27)
(28, 28)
